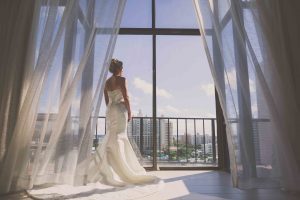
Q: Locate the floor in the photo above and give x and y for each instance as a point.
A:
(199, 185)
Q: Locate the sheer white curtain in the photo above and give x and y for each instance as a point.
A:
(51, 87)
(253, 47)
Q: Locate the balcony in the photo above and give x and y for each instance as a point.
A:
(175, 148)
(181, 142)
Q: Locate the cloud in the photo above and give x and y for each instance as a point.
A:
(168, 110)
(161, 110)
(172, 109)
(143, 85)
(231, 77)
(209, 89)
(146, 87)
(163, 93)
(133, 99)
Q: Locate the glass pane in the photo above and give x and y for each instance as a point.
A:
(136, 54)
(185, 103)
(175, 14)
(137, 14)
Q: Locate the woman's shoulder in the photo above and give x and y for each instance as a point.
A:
(108, 79)
(117, 77)
(121, 78)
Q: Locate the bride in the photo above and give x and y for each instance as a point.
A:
(115, 162)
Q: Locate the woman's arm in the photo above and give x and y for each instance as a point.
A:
(105, 94)
(126, 97)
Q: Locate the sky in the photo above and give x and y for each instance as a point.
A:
(185, 86)
(184, 83)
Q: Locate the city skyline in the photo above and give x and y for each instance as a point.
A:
(192, 147)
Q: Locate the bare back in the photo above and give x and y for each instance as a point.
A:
(114, 82)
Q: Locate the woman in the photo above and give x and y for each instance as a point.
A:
(115, 161)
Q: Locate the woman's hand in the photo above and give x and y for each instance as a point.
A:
(129, 116)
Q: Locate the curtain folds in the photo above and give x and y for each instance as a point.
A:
(252, 47)
(53, 71)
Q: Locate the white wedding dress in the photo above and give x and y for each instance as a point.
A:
(115, 162)
(114, 171)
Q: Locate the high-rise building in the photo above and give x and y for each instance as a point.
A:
(200, 139)
(165, 132)
(185, 139)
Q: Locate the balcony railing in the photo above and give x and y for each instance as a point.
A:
(181, 142)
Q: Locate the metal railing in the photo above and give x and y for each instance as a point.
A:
(180, 141)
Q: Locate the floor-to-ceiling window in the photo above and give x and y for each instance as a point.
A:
(170, 85)
(186, 111)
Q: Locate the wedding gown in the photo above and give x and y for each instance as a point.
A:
(113, 165)
(115, 162)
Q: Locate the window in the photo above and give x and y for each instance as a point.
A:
(176, 65)
(137, 14)
(185, 103)
(175, 14)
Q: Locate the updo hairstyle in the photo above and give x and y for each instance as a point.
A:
(115, 65)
